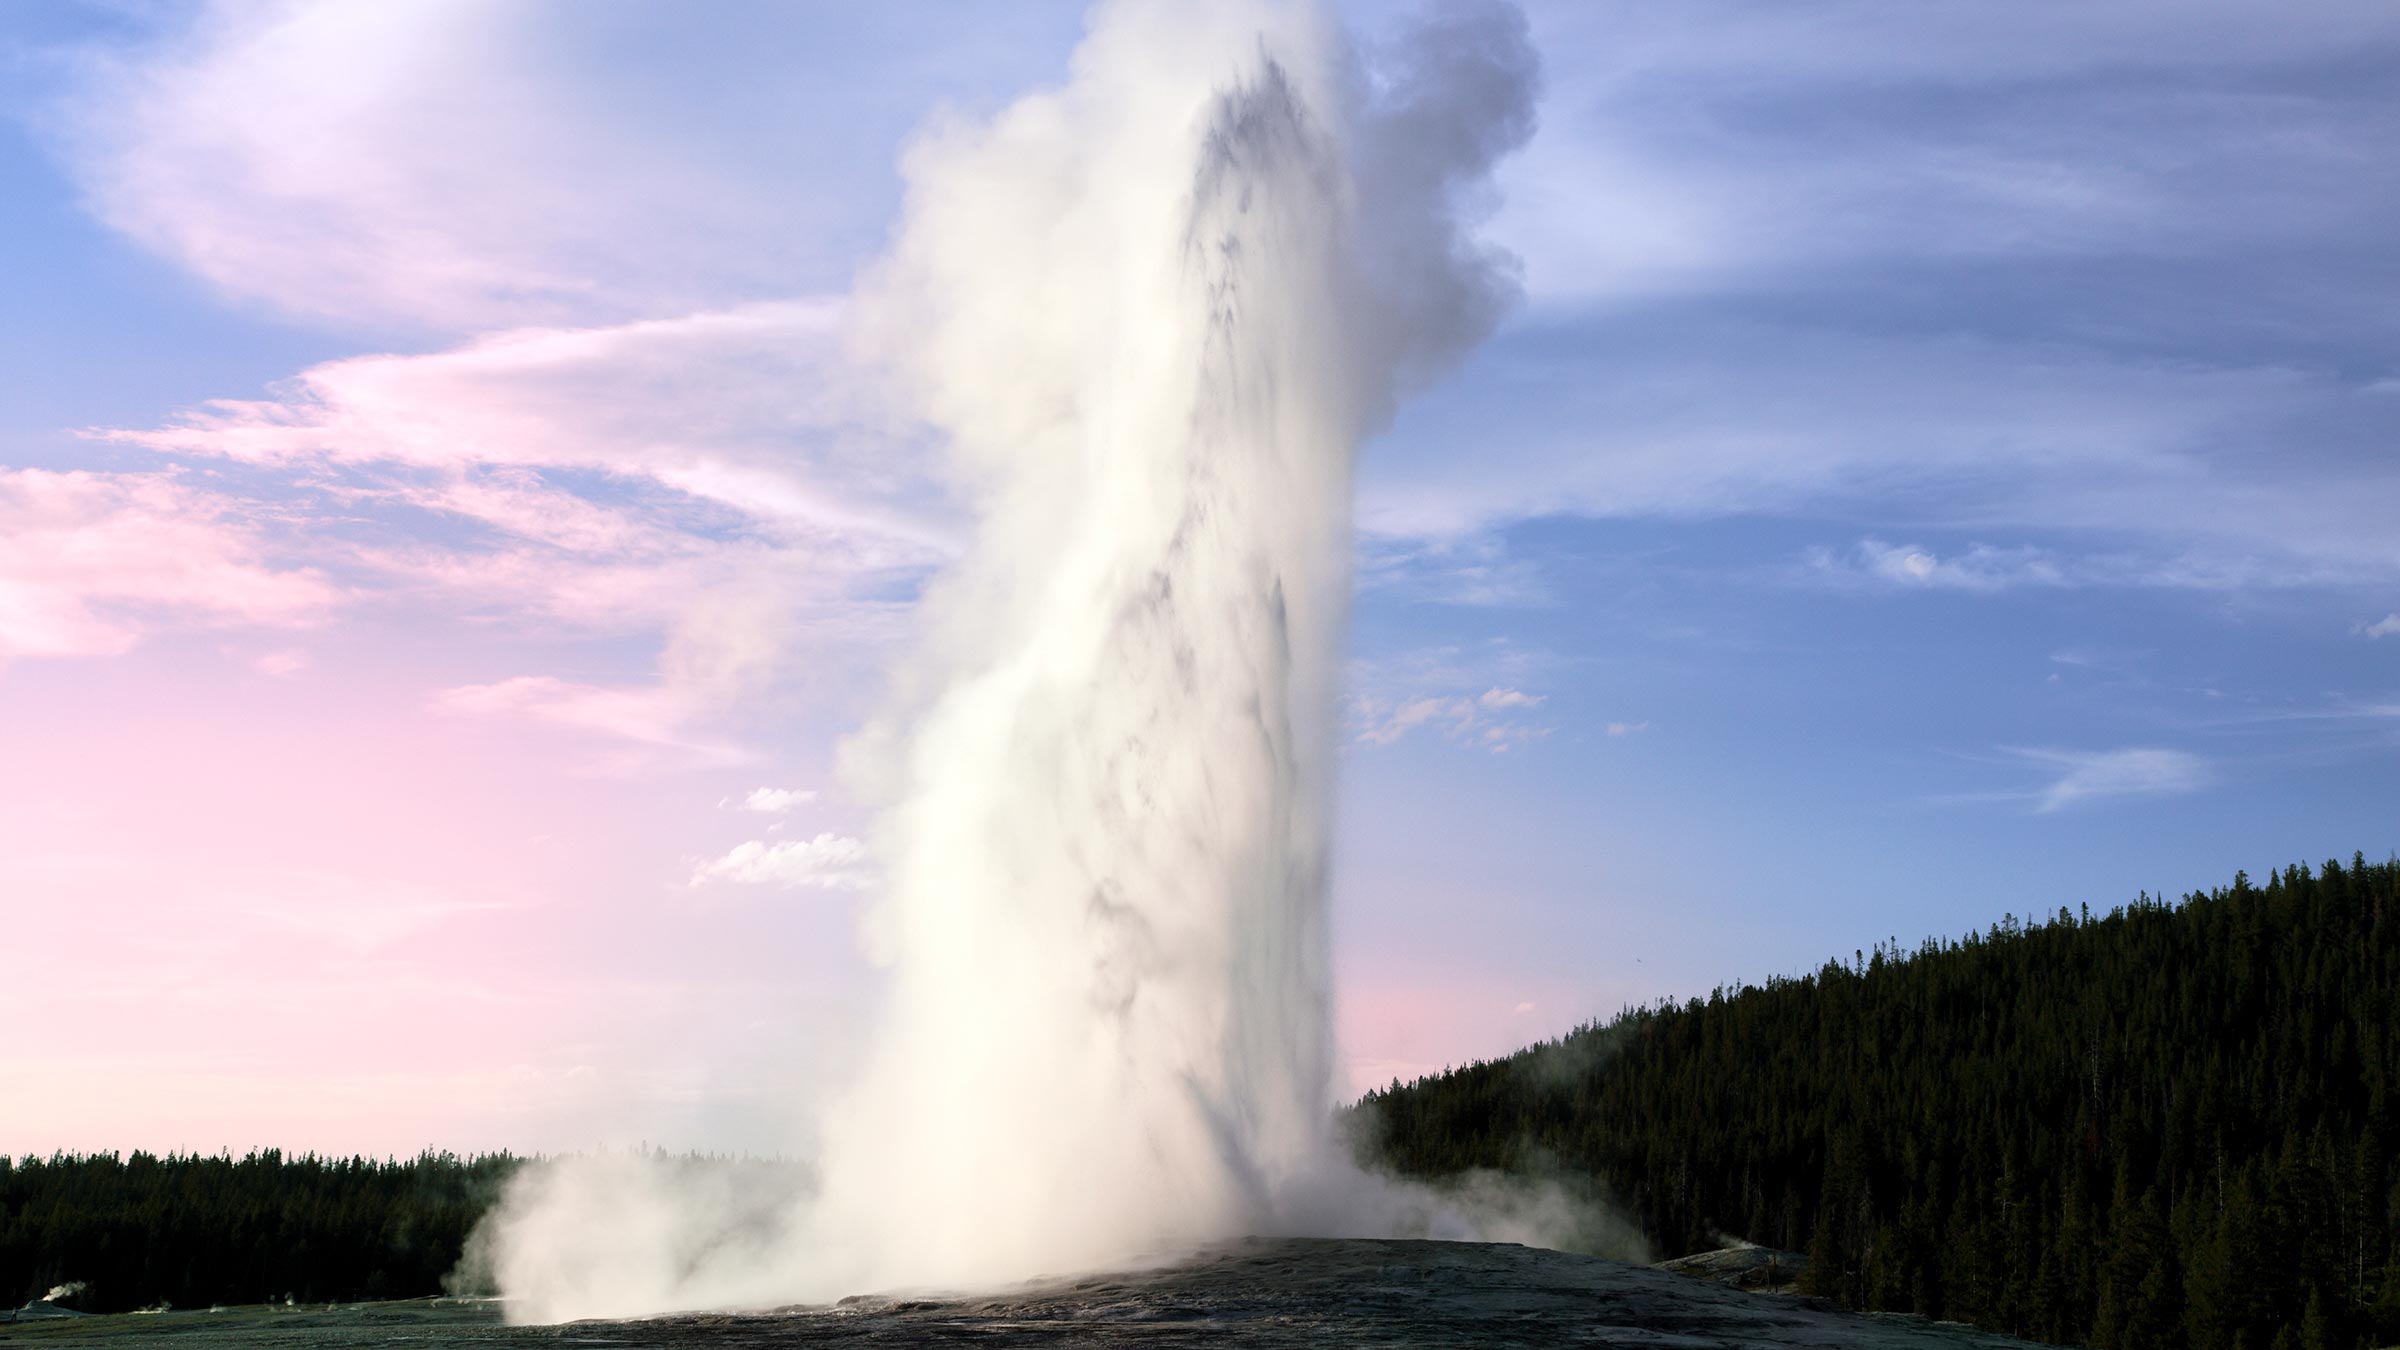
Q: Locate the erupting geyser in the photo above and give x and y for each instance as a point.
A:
(1154, 313)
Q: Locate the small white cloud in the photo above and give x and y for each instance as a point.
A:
(1491, 720)
(2136, 771)
(832, 862)
(282, 665)
(1500, 737)
(1981, 568)
(2387, 626)
(1386, 725)
(1473, 698)
(1524, 1008)
(1498, 698)
(768, 801)
(1627, 728)
(653, 716)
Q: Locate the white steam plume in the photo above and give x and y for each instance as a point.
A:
(1155, 311)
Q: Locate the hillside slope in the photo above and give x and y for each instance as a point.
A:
(2170, 1125)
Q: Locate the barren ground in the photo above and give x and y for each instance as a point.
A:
(1260, 1293)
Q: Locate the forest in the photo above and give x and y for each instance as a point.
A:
(138, 1231)
(2170, 1125)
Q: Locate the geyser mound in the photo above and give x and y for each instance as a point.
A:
(1154, 313)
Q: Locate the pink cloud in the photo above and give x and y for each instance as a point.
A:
(655, 716)
(690, 478)
(753, 408)
(282, 664)
(90, 562)
(635, 443)
(710, 476)
(437, 164)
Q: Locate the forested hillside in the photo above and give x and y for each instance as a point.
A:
(189, 1231)
(2172, 1125)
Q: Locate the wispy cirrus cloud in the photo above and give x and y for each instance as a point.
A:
(1498, 719)
(1874, 565)
(1695, 147)
(1908, 566)
(1934, 273)
(660, 724)
(637, 715)
(90, 562)
(357, 914)
(282, 663)
(638, 420)
(688, 479)
(1469, 570)
(2149, 469)
(1486, 697)
(373, 165)
(753, 410)
(2087, 776)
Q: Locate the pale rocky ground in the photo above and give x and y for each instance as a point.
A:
(1259, 1293)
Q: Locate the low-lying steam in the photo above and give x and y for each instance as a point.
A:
(1154, 312)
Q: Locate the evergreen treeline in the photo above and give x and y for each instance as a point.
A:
(2170, 1126)
(189, 1231)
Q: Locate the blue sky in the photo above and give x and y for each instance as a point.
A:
(1942, 463)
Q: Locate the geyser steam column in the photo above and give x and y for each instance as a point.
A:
(1105, 913)
(1156, 313)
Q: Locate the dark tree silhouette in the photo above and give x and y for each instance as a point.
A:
(2170, 1126)
(187, 1230)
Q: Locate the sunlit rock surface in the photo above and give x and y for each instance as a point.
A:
(1279, 1293)
(1744, 1265)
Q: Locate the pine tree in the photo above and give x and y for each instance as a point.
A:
(2316, 1326)
(2167, 1124)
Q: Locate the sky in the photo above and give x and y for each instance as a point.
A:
(1941, 465)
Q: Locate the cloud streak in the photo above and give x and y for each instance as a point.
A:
(698, 479)
(2088, 776)
(1497, 720)
(1980, 568)
(1924, 271)
(92, 562)
(437, 165)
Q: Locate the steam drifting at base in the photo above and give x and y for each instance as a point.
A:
(1154, 312)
